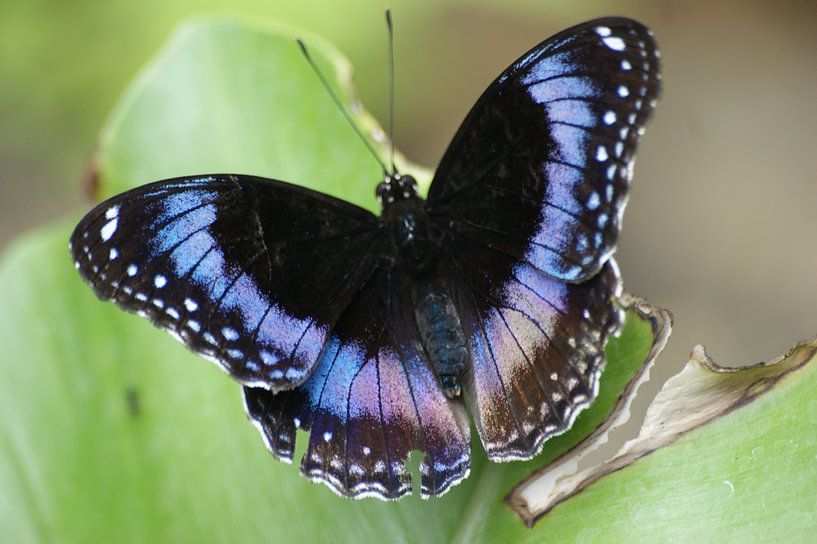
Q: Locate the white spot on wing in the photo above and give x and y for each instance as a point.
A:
(268, 358)
(108, 229)
(614, 42)
(609, 117)
(229, 333)
(112, 212)
(132, 270)
(601, 153)
(190, 305)
(593, 201)
(159, 281)
(611, 172)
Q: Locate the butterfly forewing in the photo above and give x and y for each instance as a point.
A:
(250, 272)
(541, 166)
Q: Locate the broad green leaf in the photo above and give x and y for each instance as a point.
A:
(111, 431)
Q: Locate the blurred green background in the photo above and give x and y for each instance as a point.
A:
(721, 223)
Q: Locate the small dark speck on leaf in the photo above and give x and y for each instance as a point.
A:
(132, 400)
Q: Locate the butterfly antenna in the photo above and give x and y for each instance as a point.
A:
(390, 28)
(339, 104)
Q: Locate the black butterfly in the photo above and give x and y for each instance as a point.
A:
(496, 293)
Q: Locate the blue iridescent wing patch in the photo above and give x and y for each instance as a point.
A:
(536, 345)
(371, 401)
(211, 259)
(542, 164)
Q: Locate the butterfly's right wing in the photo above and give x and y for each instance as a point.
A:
(248, 271)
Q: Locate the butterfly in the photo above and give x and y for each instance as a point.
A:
(379, 335)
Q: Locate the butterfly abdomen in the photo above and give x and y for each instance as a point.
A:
(441, 334)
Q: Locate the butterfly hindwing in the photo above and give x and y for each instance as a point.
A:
(536, 347)
(372, 399)
(541, 166)
(250, 272)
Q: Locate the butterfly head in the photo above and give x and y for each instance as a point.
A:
(395, 188)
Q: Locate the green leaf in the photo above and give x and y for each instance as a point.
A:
(724, 455)
(111, 431)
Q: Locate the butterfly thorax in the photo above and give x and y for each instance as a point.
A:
(416, 252)
(407, 224)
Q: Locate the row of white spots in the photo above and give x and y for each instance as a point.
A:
(160, 281)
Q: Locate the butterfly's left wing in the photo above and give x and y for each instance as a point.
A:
(541, 166)
(250, 272)
(372, 399)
